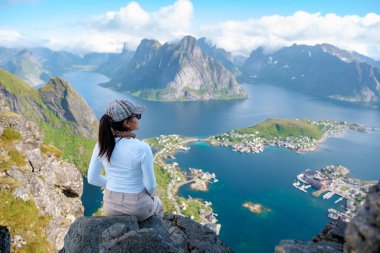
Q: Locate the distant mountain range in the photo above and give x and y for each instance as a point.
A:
(321, 69)
(195, 69)
(38, 65)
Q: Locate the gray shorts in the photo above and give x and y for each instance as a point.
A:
(141, 204)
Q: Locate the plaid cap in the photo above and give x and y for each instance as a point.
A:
(119, 110)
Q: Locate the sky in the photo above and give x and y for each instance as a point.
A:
(82, 26)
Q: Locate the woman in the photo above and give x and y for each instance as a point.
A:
(130, 182)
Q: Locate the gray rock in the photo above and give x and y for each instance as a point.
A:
(85, 234)
(173, 233)
(115, 231)
(295, 246)
(139, 241)
(363, 232)
(20, 193)
(193, 236)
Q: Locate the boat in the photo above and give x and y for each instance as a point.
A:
(333, 216)
(336, 201)
(332, 210)
(215, 180)
(296, 184)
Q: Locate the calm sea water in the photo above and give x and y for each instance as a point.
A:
(265, 178)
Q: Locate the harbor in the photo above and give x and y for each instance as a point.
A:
(333, 180)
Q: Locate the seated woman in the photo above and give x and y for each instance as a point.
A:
(129, 180)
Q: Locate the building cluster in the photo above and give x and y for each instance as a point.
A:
(333, 180)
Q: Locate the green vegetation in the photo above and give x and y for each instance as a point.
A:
(192, 208)
(16, 157)
(22, 218)
(10, 135)
(283, 128)
(58, 132)
(50, 149)
(7, 139)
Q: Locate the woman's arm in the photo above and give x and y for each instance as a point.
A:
(94, 175)
(147, 168)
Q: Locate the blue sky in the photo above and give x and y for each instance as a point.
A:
(234, 25)
(35, 13)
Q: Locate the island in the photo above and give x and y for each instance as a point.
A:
(255, 208)
(300, 135)
(200, 179)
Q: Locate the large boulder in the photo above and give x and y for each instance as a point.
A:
(172, 233)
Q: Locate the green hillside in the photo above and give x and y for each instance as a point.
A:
(283, 128)
(57, 132)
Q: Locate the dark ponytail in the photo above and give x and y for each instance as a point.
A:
(105, 138)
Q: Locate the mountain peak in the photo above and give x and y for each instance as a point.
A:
(57, 83)
(63, 99)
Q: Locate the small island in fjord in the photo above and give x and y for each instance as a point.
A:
(255, 208)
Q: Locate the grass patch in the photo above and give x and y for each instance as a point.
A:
(10, 135)
(50, 149)
(22, 218)
(17, 157)
(283, 128)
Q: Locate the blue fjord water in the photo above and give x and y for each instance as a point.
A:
(264, 178)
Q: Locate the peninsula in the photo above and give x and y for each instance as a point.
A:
(300, 135)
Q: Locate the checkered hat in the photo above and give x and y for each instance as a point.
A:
(119, 110)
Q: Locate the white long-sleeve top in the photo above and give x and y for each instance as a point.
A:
(131, 168)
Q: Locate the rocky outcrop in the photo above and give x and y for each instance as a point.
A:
(54, 185)
(361, 234)
(176, 71)
(330, 240)
(61, 98)
(173, 233)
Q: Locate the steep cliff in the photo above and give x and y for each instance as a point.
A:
(40, 193)
(176, 71)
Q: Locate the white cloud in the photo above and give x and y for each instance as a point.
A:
(107, 31)
(9, 37)
(350, 32)
(169, 22)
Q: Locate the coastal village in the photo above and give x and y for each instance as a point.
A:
(297, 135)
(333, 180)
(172, 177)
